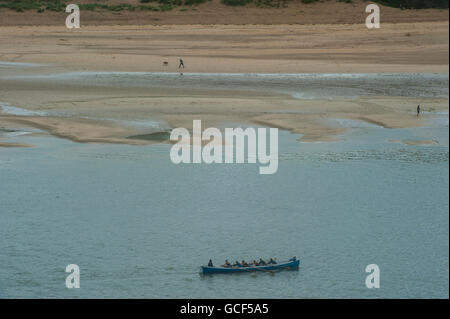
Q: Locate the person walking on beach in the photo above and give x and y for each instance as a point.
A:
(418, 110)
(181, 63)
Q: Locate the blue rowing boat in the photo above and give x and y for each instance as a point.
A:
(288, 265)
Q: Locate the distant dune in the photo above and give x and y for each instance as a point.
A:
(215, 12)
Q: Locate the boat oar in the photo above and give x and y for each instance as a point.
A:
(277, 269)
(265, 270)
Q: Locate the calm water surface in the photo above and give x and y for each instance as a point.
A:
(140, 226)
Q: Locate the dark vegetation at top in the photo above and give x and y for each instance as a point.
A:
(404, 4)
(164, 5)
(415, 4)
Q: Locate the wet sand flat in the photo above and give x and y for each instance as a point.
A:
(115, 112)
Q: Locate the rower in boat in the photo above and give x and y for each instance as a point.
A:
(254, 262)
(272, 262)
(237, 264)
(226, 264)
(293, 259)
(210, 263)
(262, 262)
(244, 263)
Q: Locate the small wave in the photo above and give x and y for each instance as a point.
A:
(417, 155)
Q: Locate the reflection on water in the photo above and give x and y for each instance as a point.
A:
(158, 137)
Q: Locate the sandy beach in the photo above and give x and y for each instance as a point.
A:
(416, 47)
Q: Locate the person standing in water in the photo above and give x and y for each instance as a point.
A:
(418, 110)
(181, 63)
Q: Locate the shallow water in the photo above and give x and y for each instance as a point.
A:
(13, 110)
(4, 64)
(302, 86)
(140, 226)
